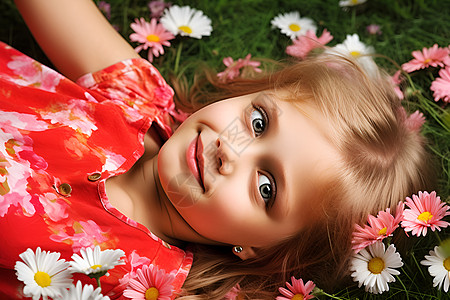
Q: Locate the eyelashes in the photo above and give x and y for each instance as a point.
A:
(267, 189)
(259, 120)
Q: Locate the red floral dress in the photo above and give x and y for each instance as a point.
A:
(59, 142)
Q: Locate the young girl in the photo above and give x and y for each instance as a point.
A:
(258, 187)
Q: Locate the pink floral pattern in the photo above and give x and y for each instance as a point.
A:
(135, 262)
(31, 73)
(86, 234)
(53, 135)
(76, 114)
(16, 152)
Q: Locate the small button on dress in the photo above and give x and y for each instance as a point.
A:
(94, 176)
(64, 189)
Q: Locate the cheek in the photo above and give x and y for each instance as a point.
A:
(167, 162)
(178, 183)
(222, 216)
(234, 220)
(227, 207)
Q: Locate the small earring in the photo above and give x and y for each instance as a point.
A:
(237, 249)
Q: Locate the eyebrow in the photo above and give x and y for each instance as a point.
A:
(266, 100)
(282, 196)
(280, 207)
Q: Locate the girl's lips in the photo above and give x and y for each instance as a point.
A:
(200, 161)
(194, 159)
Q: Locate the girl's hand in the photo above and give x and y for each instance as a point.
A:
(74, 35)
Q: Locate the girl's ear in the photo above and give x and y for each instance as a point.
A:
(244, 252)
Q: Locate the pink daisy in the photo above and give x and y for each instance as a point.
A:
(396, 80)
(431, 57)
(297, 291)
(426, 210)
(305, 43)
(414, 121)
(150, 35)
(379, 227)
(233, 69)
(441, 85)
(150, 283)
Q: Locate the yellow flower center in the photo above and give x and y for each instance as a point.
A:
(153, 38)
(294, 27)
(355, 1)
(382, 231)
(42, 279)
(355, 53)
(297, 297)
(376, 265)
(447, 263)
(185, 29)
(425, 216)
(426, 61)
(151, 294)
(96, 266)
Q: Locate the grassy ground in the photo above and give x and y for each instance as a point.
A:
(243, 26)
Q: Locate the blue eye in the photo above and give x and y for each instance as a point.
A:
(258, 120)
(266, 188)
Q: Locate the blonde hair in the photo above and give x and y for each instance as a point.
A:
(382, 163)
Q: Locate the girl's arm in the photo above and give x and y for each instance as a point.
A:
(74, 35)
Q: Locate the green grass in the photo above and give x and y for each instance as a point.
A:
(243, 26)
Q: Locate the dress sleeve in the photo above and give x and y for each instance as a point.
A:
(136, 83)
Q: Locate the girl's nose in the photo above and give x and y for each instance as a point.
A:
(224, 158)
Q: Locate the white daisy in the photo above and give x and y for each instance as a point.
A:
(438, 263)
(95, 262)
(292, 25)
(356, 49)
(347, 3)
(374, 267)
(85, 292)
(43, 273)
(186, 21)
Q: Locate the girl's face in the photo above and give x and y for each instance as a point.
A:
(241, 171)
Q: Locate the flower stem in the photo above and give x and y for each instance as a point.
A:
(98, 282)
(321, 292)
(353, 18)
(438, 237)
(177, 58)
(404, 287)
(431, 75)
